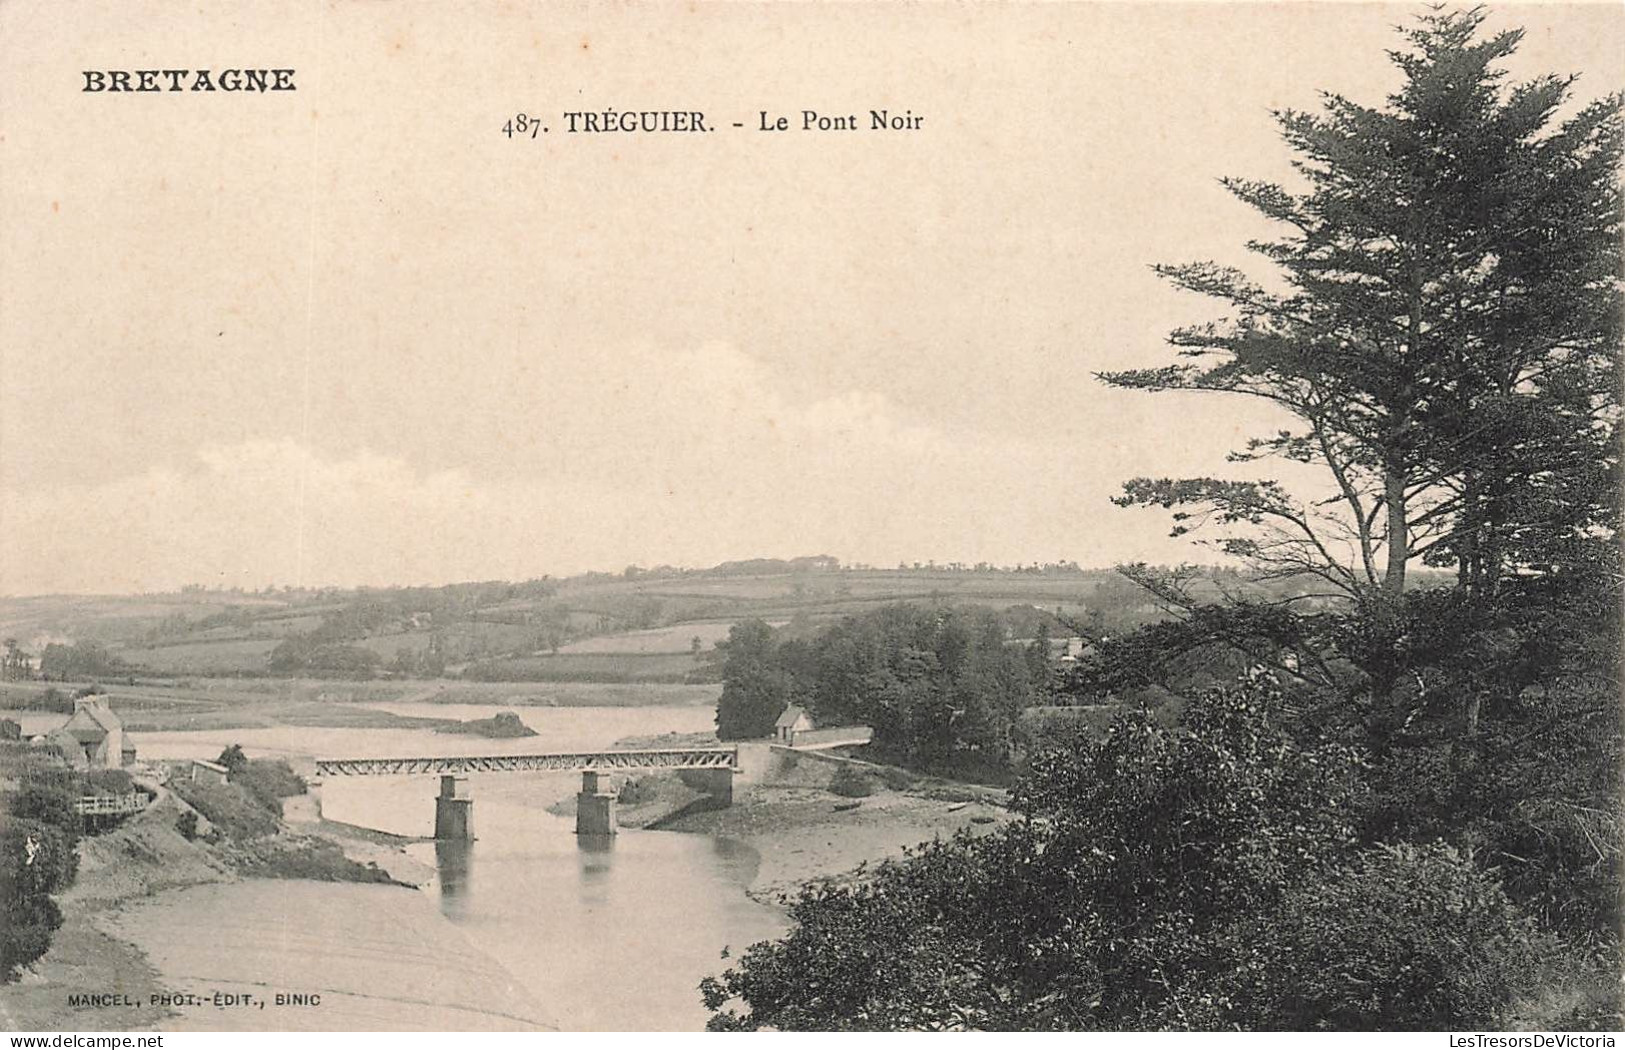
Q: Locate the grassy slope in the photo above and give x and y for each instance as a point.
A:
(182, 634)
(635, 629)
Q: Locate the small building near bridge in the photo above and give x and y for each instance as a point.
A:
(212, 772)
(794, 720)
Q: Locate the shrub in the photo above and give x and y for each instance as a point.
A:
(234, 813)
(186, 824)
(36, 860)
(106, 782)
(1405, 938)
(269, 781)
(851, 782)
(25, 932)
(49, 801)
(897, 779)
(638, 790)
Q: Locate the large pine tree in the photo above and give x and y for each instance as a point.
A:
(1446, 329)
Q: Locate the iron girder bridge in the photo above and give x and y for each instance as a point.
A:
(562, 761)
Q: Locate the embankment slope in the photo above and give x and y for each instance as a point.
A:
(153, 912)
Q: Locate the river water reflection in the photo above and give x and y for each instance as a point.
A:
(612, 934)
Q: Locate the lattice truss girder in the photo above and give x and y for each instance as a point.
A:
(572, 762)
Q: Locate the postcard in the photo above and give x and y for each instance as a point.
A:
(585, 516)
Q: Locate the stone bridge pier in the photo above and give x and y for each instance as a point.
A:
(595, 805)
(595, 802)
(454, 811)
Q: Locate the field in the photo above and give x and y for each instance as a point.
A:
(227, 703)
(590, 667)
(203, 657)
(635, 627)
(675, 639)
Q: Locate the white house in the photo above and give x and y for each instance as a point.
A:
(794, 720)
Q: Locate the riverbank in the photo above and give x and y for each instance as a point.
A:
(785, 810)
(368, 846)
(803, 834)
(157, 924)
(258, 955)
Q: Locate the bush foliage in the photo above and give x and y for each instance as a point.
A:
(39, 838)
(1205, 875)
(233, 811)
(851, 782)
(268, 782)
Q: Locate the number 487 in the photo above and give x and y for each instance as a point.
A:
(523, 126)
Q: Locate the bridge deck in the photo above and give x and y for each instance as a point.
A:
(563, 761)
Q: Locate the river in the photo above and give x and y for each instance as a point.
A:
(609, 936)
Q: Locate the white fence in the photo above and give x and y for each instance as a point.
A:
(111, 805)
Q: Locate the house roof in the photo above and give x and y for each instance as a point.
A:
(206, 764)
(96, 713)
(793, 713)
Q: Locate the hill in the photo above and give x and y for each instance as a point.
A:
(639, 626)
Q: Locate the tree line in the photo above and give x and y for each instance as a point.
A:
(942, 686)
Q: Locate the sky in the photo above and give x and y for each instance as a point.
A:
(353, 334)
